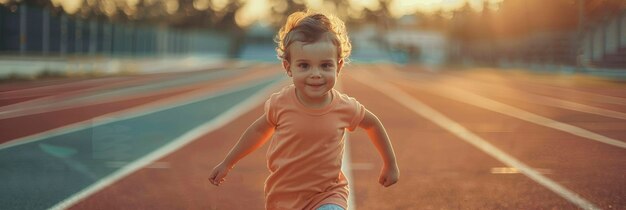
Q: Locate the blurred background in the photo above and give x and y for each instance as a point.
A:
(106, 104)
(54, 38)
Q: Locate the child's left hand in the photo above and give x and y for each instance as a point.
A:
(389, 175)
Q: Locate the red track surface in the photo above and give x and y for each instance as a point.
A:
(32, 124)
(438, 170)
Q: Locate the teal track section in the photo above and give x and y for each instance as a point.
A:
(40, 174)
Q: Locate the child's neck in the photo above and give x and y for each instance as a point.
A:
(314, 103)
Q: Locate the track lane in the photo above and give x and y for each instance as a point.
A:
(184, 184)
(435, 171)
(114, 91)
(523, 107)
(24, 126)
(510, 90)
(575, 87)
(71, 88)
(88, 155)
(584, 166)
(245, 191)
(438, 170)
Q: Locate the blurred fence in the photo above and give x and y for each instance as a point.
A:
(547, 48)
(604, 43)
(600, 44)
(33, 31)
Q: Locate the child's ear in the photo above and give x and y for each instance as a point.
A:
(286, 67)
(339, 65)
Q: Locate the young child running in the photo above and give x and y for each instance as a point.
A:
(306, 121)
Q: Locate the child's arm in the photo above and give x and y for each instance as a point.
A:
(253, 138)
(375, 130)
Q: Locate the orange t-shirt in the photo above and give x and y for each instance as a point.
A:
(305, 153)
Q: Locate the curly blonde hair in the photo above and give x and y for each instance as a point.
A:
(309, 27)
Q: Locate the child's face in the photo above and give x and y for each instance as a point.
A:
(313, 68)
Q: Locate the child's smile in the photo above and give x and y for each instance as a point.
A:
(316, 86)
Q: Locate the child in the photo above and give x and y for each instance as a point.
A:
(307, 120)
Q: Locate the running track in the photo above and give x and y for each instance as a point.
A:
(472, 139)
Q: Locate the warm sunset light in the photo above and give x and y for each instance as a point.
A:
(254, 10)
(70, 6)
(312, 104)
(259, 10)
(404, 7)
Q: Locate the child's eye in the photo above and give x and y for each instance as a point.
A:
(327, 66)
(303, 65)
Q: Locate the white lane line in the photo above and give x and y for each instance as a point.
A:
(53, 97)
(486, 103)
(458, 130)
(160, 105)
(529, 97)
(181, 141)
(564, 104)
(45, 89)
(551, 101)
(587, 94)
(346, 165)
(105, 94)
(476, 100)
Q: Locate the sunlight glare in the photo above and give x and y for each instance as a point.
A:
(362, 4)
(315, 4)
(356, 13)
(132, 3)
(252, 11)
(109, 8)
(219, 5)
(399, 8)
(329, 7)
(280, 6)
(201, 5)
(70, 6)
(171, 6)
(91, 3)
(505, 170)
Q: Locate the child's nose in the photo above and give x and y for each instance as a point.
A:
(316, 72)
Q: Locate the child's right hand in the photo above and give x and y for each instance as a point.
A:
(219, 172)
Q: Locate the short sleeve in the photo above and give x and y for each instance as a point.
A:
(270, 112)
(358, 114)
